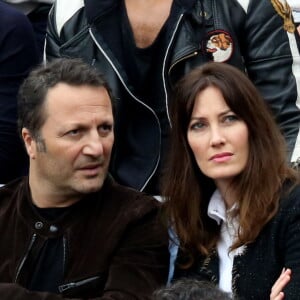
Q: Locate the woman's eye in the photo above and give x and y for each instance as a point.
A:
(197, 125)
(231, 118)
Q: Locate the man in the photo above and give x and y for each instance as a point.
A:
(144, 46)
(68, 230)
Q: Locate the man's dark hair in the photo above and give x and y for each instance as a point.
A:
(33, 91)
(190, 289)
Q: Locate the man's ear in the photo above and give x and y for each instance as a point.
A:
(29, 142)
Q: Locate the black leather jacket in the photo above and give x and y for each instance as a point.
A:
(254, 40)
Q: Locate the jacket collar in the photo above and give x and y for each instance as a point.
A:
(216, 208)
(55, 228)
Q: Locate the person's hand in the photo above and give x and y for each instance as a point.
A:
(280, 283)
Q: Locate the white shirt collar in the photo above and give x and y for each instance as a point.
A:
(216, 209)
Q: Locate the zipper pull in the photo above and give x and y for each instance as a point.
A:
(63, 288)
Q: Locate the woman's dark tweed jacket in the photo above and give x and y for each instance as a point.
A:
(256, 270)
(115, 245)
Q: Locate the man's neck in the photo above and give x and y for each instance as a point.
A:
(146, 18)
(45, 196)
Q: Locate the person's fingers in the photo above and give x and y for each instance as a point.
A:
(280, 296)
(280, 283)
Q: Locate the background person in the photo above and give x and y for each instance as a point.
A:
(68, 230)
(190, 289)
(144, 47)
(231, 197)
(18, 55)
(37, 13)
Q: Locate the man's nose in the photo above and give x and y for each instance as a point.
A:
(93, 145)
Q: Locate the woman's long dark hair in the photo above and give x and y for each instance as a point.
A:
(188, 190)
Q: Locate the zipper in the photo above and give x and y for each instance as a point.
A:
(164, 67)
(195, 53)
(135, 98)
(119, 75)
(175, 63)
(25, 257)
(71, 285)
(64, 254)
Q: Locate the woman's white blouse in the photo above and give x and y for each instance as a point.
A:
(229, 226)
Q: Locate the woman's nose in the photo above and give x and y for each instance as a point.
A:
(217, 136)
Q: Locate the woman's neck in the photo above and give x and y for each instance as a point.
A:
(227, 193)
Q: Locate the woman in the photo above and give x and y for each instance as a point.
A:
(232, 198)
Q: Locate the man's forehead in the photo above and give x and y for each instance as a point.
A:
(84, 96)
(83, 104)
